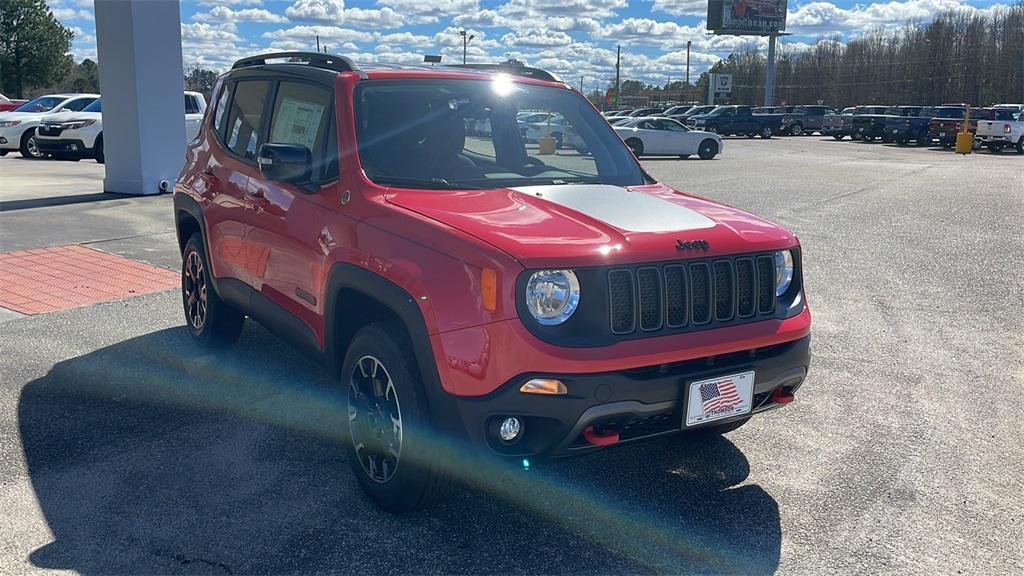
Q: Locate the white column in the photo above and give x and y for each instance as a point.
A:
(138, 45)
(769, 82)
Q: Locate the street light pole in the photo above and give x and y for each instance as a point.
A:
(618, 60)
(465, 42)
(687, 87)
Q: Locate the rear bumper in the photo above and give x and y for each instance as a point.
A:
(998, 139)
(635, 404)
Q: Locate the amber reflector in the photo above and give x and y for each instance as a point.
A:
(544, 386)
(489, 288)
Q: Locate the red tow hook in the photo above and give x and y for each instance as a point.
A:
(780, 396)
(606, 438)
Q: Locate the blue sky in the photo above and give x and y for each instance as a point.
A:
(572, 37)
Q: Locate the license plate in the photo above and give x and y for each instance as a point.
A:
(717, 398)
(942, 134)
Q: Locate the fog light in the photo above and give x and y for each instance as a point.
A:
(509, 429)
(543, 386)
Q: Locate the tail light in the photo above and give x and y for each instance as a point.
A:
(1007, 129)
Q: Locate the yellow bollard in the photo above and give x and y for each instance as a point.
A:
(547, 146)
(965, 140)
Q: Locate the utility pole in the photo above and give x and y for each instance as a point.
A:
(618, 61)
(687, 87)
(317, 42)
(581, 84)
(465, 42)
(769, 81)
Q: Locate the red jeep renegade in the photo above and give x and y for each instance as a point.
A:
(523, 298)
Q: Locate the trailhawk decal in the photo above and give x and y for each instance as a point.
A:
(624, 209)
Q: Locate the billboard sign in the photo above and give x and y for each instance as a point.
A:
(747, 17)
(722, 83)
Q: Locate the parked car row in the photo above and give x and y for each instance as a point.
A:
(70, 126)
(741, 120)
(996, 127)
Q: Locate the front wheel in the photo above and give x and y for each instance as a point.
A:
(796, 129)
(767, 132)
(395, 458)
(708, 149)
(211, 321)
(636, 146)
(100, 156)
(837, 136)
(28, 147)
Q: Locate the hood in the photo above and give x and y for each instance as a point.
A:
(69, 116)
(595, 224)
(34, 116)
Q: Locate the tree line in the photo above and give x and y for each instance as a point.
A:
(960, 56)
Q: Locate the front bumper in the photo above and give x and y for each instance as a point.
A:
(634, 404)
(62, 146)
(10, 138)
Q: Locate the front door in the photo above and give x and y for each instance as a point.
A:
(288, 238)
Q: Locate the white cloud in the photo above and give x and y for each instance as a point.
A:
(203, 33)
(64, 13)
(373, 18)
(825, 17)
(431, 11)
(308, 34)
(682, 7)
(225, 14)
(220, 2)
(332, 11)
(536, 38)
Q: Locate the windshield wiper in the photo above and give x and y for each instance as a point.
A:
(429, 183)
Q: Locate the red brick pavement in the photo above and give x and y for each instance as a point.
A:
(49, 279)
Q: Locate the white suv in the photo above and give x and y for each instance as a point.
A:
(80, 135)
(18, 127)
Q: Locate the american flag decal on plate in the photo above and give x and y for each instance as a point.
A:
(718, 398)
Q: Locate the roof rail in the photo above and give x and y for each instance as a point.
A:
(514, 69)
(317, 59)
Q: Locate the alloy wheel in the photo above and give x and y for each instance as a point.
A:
(375, 419)
(194, 287)
(33, 149)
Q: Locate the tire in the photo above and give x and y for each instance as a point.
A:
(901, 141)
(98, 150)
(636, 146)
(1020, 145)
(708, 149)
(3, 152)
(855, 136)
(946, 143)
(212, 322)
(837, 136)
(869, 138)
(796, 129)
(415, 477)
(718, 430)
(995, 148)
(976, 144)
(28, 146)
(766, 132)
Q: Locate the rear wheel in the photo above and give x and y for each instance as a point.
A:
(837, 136)
(636, 146)
(995, 148)
(1020, 145)
(796, 129)
(389, 440)
(211, 321)
(708, 149)
(767, 132)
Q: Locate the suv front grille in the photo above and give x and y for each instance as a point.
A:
(678, 295)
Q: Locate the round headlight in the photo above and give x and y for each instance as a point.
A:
(552, 296)
(783, 271)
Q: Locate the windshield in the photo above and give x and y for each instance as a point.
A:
(94, 107)
(949, 112)
(1003, 114)
(465, 134)
(41, 104)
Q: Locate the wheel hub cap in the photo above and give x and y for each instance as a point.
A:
(375, 419)
(194, 290)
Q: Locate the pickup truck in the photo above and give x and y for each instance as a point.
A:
(838, 125)
(877, 127)
(805, 119)
(738, 120)
(863, 121)
(946, 128)
(1004, 130)
(903, 129)
(8, 104)
(694, 111)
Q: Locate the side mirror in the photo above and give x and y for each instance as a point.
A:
(285, 162)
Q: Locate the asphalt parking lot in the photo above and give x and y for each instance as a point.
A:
(124, 449)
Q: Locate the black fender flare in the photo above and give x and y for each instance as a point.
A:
(442, 406)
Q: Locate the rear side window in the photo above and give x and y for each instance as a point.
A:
(245, 117)
(191, 104)
(302, 116)
(220, 115)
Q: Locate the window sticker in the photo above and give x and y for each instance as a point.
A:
(297, 122)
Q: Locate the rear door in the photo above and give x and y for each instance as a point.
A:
(288, 234)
